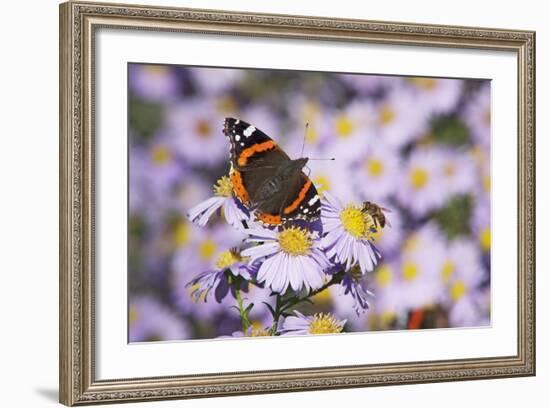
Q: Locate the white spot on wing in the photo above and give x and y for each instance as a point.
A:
(237, 122)
(249, 130)
(237, 137)
(313, 200)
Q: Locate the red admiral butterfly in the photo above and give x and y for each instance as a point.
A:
(266, 180)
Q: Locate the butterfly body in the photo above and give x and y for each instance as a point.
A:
(266, 180)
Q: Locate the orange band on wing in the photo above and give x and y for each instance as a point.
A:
(257, 148)
(238, 186)
(269, 218)
(300, 198)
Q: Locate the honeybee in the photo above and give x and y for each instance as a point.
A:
(377, 214)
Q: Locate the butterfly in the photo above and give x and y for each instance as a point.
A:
(266, 180)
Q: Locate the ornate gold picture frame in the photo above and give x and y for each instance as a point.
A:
(79, 23)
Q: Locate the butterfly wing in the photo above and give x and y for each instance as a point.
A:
(299, 201)
(254, 158)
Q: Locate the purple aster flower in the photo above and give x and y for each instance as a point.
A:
(423, 186)
(156, 83)
(215, 80)
(477, 115)
(436, 95)
(320, 323)
(368, 84)
(290, 257)
(399, 119)
(194, 129)
(349, 232)
(353, 284)
(377, 172)
(217, 279)
(149, 320)
(224, 199)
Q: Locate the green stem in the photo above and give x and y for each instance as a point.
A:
(336, 278)
(277, 314)
(244, 318)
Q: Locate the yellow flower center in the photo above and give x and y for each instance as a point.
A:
(325, 323)
(427, 84)
(156, 70)
(375, 167)
(322, 183)
(386, 115)
(258, 333)
(223, 187)
(160, 155)
(384, 275)
(485, 239)
(449, 169)
(133, 314)
(295, 241)
(487, 183)
(411, 243)
(344, 126)
(418, 178)
(358, 223)
(487, 117)
(207, 249)
(447, 270)
(457, 290)
(322, 297)
(181, 233)
(203, 128)
(409, 271)
(227, 258)
(226, 104)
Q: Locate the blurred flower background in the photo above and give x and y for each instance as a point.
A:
(419, 147)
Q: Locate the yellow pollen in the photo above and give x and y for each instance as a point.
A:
(447, 270)
(427, 84)
(261, 332)
(203, 128)
(457, 290)
(375, 167)
(409, 271)
(485, 239)
(223, 187)
(325, 323)
(418, 178)
(358, 223)
(160, 155)
(344, 126)
(388, 317)
(227, 258)
(207, 249)
(384, 275)
(295, 241)
(181, 233)
(386, 115)
(487, 183)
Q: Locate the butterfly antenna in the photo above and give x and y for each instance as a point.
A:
(304, 141)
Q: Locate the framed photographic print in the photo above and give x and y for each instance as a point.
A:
(260, 203)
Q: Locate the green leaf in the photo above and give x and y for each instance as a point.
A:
(454, 218)
(145, 117)
(450, 130)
